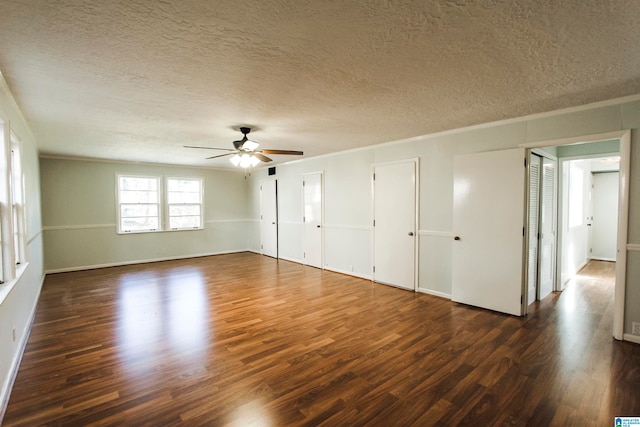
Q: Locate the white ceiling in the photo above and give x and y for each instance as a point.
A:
(137, 79)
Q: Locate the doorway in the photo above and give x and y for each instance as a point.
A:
(573, 217)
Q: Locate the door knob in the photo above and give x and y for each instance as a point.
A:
(456, 238)
(317, 226)
(273, 223)
(411, 233)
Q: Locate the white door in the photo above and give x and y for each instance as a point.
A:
(395, 223)
(488, 222)
(548, 224)
(312, 194)
(605, 216)
(535, 163)
(269, 218)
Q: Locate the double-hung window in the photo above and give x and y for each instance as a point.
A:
(146, 205)
(184, 203)
(138, 203)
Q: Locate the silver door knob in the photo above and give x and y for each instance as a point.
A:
(456, 238)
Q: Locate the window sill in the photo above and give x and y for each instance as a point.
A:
(7, 287)
(124, 233)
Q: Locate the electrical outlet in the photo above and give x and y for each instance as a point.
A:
(635, 330)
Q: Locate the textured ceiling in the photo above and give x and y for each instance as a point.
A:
(135, 79)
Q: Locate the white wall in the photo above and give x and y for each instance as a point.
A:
(18, 298)
(575, 244)
(79, 210)
(348, 196)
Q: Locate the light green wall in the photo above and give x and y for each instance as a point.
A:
(79, 216)
(577, 150)
(18, 298)
(348, 194)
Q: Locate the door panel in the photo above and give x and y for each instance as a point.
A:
(534, 219)
(605, 216)
(312, 184)
(548, 225)
(488, 220)
(269, 218)
(395, 223)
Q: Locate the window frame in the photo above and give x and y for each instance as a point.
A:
(167, 205)
(119, 203)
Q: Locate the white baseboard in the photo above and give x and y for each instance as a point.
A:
(17, 357)
(603, 259)
(631, 338)
(348, 273)
(297, 261)
(434, 293)
(144, 261)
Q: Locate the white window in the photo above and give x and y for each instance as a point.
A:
(184, 203)
(17, 201)
(138, 203)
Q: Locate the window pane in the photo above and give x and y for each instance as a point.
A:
(184, 222)
(134, 183)
(182, 210)
(127, 211)
(184, 197)
(184, 185)
(139, 224)
(138, 197)
(176, 197)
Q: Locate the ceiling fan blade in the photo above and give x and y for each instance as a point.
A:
(291, 152)
(262, 157)
(221, 155)
(208, 148)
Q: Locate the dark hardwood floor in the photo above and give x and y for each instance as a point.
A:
(243, 339)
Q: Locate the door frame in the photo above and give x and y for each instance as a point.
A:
(624, 136)
(321, 219)
(416, 219)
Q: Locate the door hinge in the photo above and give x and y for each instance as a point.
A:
(521, 299)
(304, 255)
(525, 162)
(374, 222)
(261, 246)
(374, 176)
(303, 183)
(304, 219)
(261, 188)
(523, 231)
(374, 268)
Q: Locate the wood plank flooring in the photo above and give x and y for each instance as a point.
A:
(241, 339)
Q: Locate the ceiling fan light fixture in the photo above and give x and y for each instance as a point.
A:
(250, 145)
(254, 161)
(246, 160)
(235, 160)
